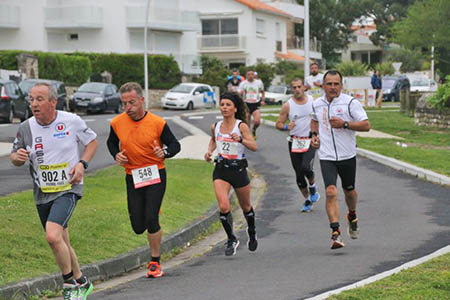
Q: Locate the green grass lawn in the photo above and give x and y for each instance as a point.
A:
(427, 281)
(100, 227)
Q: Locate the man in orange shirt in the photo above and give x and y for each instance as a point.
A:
(136, 142)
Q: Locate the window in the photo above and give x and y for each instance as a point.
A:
(260, 26)
(277, 30)
(279, 46)
(220, 26)
(109, 90)
(73, 36)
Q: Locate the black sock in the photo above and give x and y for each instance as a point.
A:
(334, 226)
(351, 214)
(227, 223)
(312, 189)
(82, 280)
(250, 217)
(157, 259)
(68, 278)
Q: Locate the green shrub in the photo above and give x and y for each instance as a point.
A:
(266, 72)
(8, 60)
(283, 67)
(214, 72)
(352, 68)
(385, 68)
(299, 73)
(411, 60)
(441, 99)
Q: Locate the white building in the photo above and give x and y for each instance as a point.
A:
(236, 31)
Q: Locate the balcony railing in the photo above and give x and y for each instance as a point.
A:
(9, 16)
(299, 43)
(67, 17)
(224, 42)
(163, 18)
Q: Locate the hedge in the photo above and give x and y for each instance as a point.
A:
(76, 68)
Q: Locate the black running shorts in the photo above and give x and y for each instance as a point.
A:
(235, 178)
(144, 204)
(253, 106)
(346, 169)
(59, 210)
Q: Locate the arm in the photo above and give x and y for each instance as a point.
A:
(168, 139)
(113, 143)
(247, 138)
(315, 141)
(77, 172)
(263, 97)
(282, 118)
(211, 145)
(20, 157)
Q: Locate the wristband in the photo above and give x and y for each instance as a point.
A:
(312, 133)
(285, 127)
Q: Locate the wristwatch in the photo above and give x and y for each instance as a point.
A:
(345, 125)
(85, 164)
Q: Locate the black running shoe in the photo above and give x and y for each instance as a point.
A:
(252, 243)
(231, 247)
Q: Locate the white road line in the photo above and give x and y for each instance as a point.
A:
(189, 127)
(5, 125)
(108, 120)
(385, 274)
(168, 118)
(195, 117)
(219, 117)
(90, 120)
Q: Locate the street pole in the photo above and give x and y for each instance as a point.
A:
(432, 62)
(145, 54)
(306, 37)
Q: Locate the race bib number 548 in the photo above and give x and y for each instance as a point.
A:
(54, 178)
(145, 176)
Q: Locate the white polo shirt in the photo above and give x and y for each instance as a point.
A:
(314, 91)
(337, 144)
(252, 90)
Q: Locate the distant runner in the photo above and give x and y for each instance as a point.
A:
(252, 91)
(313, 82)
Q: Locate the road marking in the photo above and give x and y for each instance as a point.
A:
(5, 125)
(108, 120)
(195, 117)
(90, 120)
(219, 117)
(189, 127)
(385, 274)
(168, 118)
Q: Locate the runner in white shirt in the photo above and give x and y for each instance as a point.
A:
(50, 141)
(336, 117)
(298, 111)
(313, 82)
(252, 91)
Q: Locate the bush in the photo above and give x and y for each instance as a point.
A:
(214, 72)
(299, 73)
(266, 72)
(352, 68)
(441, 99)
(8, 60)
(283, 67)
(385, 68)
(411, 60)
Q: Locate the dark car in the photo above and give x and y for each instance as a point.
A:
(13, 103)
(96, 97)
(392, 85)
(27, 84)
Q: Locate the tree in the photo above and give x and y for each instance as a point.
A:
(412, 60)
(214, 72)
(385, 14)
(425, 25)
(352, 68)
(330, 23)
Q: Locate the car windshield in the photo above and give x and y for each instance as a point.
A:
(26, 86)
(277, 89)
(388, 83)
(420, 83)
(182, 88)
(92, 87)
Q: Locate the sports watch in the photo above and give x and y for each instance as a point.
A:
(85, 163)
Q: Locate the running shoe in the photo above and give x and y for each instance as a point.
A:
(353, 228)
(336, 240)
(85, 289)
(307, 206)
(252, 243)
(70, 291)
(154, 270)
(231, 247)
(314, 197)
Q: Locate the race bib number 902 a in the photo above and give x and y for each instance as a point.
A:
(54, 178)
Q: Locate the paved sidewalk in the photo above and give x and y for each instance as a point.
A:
(5, 148)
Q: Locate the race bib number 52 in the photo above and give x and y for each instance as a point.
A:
(145, 176)
(54, 178)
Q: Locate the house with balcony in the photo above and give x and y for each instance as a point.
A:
(361, 47)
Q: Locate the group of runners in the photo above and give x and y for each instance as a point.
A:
(140, 141)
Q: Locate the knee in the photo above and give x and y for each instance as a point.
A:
(224, 207)
(138, 228)
(53, 238)
(331, 191)
(153, 225)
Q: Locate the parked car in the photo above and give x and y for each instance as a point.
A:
(188, 96)
(423, 85)
(13, 103)
(27, 84)
(278, 94)
(96, 97)
(392, 85)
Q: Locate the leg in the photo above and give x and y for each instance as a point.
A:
(154, 241)
(351, 198)
(136, 206)
(243, 195)
(256, 120)
(347, 171)
(73, 257)
(297, 161)
(332, 204)
(60, 250)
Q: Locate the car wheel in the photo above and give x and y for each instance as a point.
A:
(190, 106)
(10, 118)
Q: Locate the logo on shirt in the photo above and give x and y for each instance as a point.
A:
(61, 131)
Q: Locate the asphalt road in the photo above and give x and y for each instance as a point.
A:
(15, 179)
(401, 218)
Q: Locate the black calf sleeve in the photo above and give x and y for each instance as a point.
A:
(250, 217)
(227, 223)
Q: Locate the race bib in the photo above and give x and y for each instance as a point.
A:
(227, 148)
(300, 145)
(315, 92)
(54, 178)
(251, 97)
(145, 176)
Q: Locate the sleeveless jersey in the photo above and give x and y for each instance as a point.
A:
(301, 114)
(226, 146)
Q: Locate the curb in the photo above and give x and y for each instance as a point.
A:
(112, 267)
(395, 164)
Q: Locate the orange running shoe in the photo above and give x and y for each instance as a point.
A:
(154, 270)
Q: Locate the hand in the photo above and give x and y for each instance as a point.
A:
(336, 122)
(208, 156)
(22, 155)
(316, 83)
(307, 86)
(291, 125)
(121, 158)
(77, 173)
(235, 137)
(315, 142)
(263, 102)
(157, 150)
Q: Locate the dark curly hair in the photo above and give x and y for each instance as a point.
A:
(242, 109)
